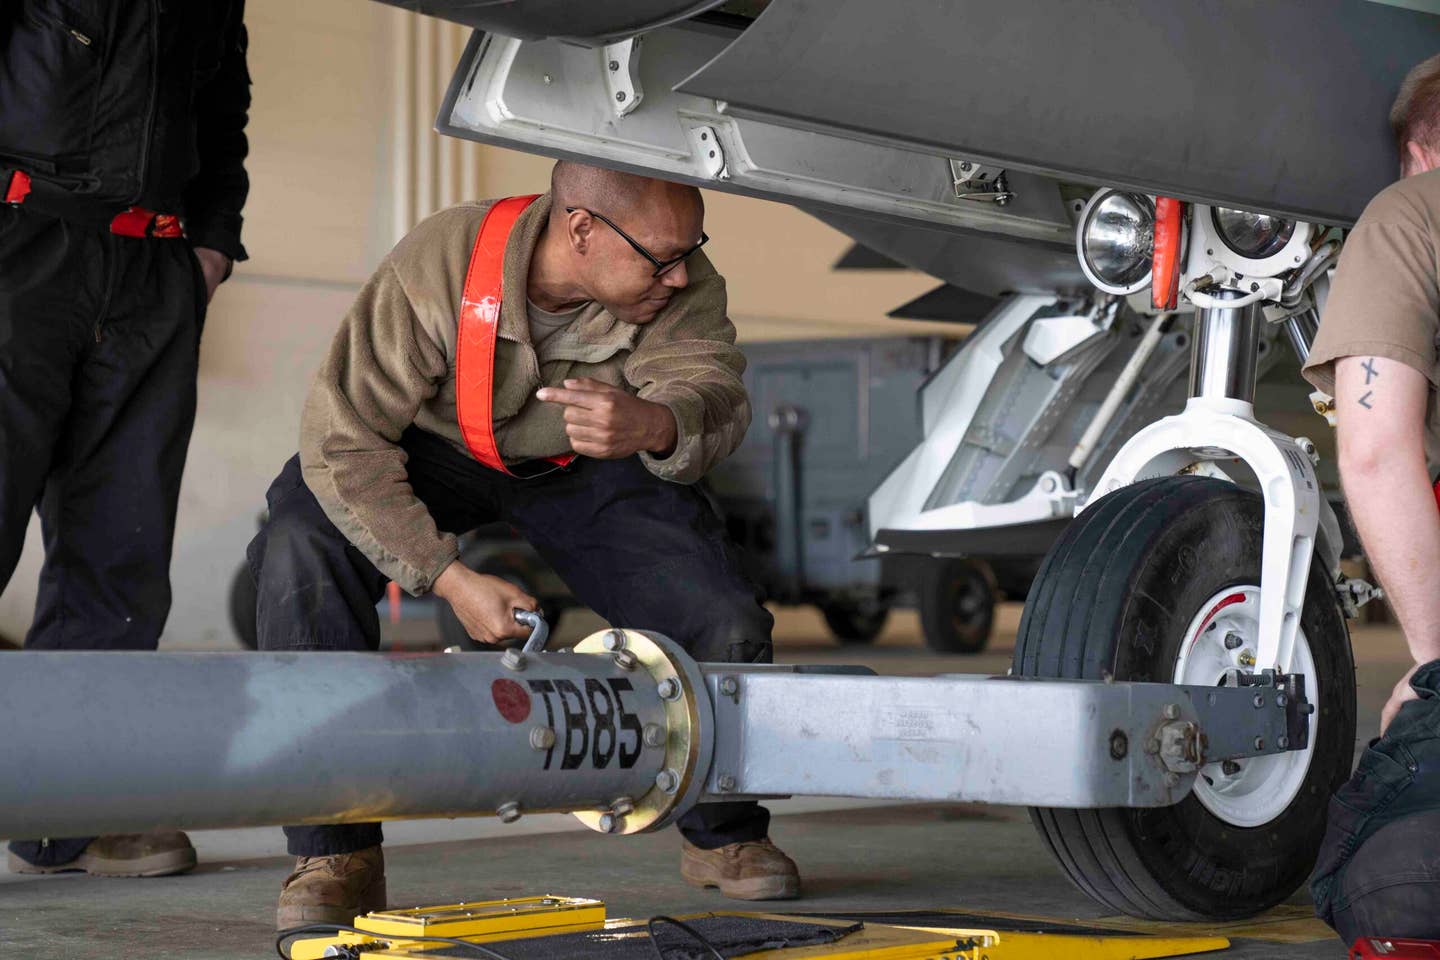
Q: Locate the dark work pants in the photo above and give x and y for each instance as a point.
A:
(1391, 885)
(640, 552)
(99, 343)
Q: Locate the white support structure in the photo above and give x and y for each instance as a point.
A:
(1213, 431)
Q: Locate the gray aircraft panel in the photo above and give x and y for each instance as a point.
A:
(1277, 105)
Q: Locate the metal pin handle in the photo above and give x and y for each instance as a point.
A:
(539, 630)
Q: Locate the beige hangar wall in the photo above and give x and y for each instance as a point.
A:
(341, 113)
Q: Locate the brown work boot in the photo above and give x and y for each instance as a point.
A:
(156, 854)
(333, 889)
(753, 870)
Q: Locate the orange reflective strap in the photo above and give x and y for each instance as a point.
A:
(479, 329)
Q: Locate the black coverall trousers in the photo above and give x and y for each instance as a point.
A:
(99, 344)
(641, 552)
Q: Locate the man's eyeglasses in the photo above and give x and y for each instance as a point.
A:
(662, 267)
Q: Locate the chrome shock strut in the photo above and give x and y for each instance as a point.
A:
(1225, 351)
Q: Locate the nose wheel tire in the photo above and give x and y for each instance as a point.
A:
(1158, 582)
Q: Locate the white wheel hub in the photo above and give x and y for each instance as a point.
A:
(1224, 636)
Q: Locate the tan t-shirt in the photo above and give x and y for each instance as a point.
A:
(544, 324)
(1385, 301)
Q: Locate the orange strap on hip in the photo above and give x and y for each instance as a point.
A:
(17, 187)
(140, 222)
(131, 222)
(479, 328)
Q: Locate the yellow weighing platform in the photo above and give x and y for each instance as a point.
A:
(556, 927)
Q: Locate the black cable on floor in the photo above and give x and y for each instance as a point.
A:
(319, 928)
(693, 933)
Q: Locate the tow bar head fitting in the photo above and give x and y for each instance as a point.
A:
(1250, 715)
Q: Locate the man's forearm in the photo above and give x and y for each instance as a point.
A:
(1394, 512)
(1381, 408)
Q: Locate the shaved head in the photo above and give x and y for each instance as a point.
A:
(616, 238)
(613, 193)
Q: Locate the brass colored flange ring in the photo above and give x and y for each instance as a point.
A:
(689, 737)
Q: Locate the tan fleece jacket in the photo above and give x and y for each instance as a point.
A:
(392, 364)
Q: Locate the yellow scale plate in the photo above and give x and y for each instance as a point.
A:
(485, 917)
(489, 920)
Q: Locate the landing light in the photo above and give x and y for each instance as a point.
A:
(1254, 236)
(1116, 241)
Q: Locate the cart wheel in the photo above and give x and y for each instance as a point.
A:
(452, 633)
(957, 605)
(1147, 585)
(853, 622)
(242, 608)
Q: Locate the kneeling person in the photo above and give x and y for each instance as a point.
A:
(562, 363)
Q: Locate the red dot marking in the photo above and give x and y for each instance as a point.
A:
(511, 699)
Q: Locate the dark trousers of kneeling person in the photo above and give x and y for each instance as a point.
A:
(1378, 873)
(641, 552)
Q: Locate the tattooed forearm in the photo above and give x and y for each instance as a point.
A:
(1370, 374)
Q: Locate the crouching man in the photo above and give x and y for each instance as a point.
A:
(1379, 867)
(562, 363)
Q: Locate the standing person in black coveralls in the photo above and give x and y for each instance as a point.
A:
(122, 147)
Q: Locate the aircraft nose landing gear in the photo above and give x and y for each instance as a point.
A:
(1156, 582)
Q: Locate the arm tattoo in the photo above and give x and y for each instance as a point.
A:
(1370, 374)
